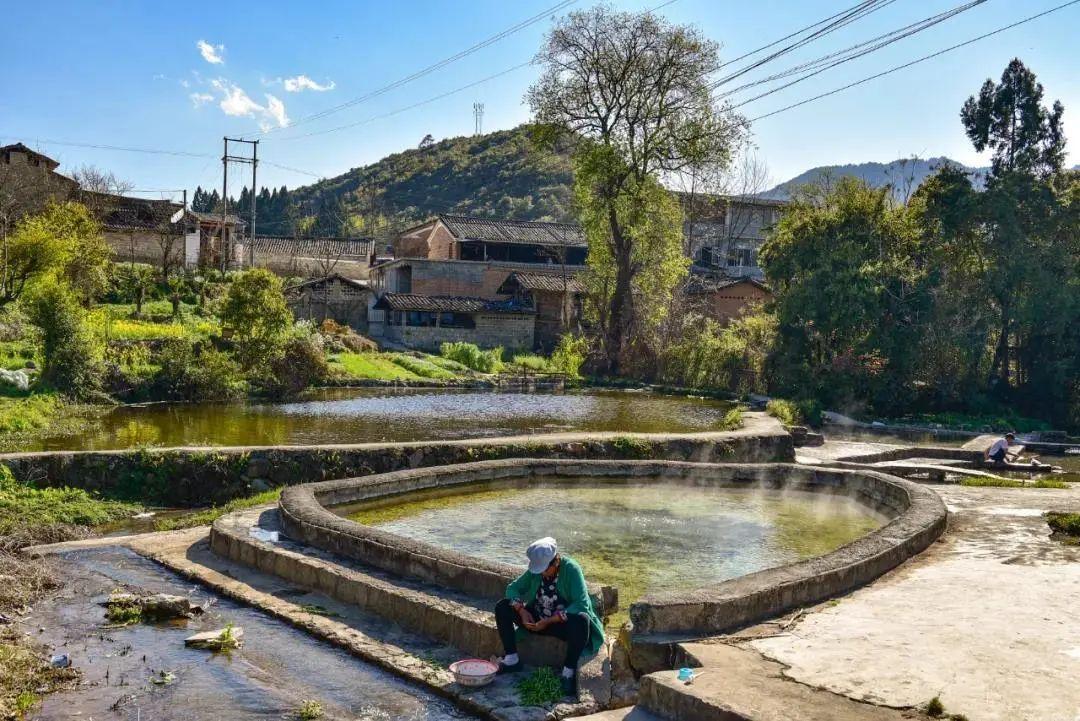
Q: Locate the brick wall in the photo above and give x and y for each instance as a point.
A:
(729, 303)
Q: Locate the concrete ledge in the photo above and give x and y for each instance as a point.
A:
(661, 620)
(184, 477)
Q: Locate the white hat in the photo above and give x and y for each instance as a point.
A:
(541, 553)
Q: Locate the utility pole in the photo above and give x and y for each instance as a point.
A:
(253, 161)
(478, 116)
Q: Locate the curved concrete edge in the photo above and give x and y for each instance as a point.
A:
(905, 452)
(195, 476)
(660, 621)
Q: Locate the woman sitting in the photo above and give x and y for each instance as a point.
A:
(550, 599)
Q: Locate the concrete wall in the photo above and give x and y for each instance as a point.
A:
(509, 330)
(727, 304)
(192, 477)
(145, 246)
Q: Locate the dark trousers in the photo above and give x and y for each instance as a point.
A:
(574, 631)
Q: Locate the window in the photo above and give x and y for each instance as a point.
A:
(741, 258)
(456, 320)
(420, 319)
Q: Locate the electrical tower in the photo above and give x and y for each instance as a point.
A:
(478, 116)
(226, 246)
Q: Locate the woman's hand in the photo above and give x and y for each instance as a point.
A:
(527, 619)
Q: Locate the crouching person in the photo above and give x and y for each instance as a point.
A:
(550, 599)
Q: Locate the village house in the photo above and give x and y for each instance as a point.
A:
(337, 297)
(725, 233)
(490, 282)
(312, 257)
(725, 299)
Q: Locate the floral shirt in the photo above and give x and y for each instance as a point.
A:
(548, 601)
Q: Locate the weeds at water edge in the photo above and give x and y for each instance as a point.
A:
(540, 688)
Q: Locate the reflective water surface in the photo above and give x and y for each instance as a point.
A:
(278, 667)
(362, 415)
(639, 537)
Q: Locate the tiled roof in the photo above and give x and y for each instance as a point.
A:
(315, 247)
(358, 284)
(448, 304)
(711, 284)
(230, 219)
(119, 212)
(465, 228)
(544, 281)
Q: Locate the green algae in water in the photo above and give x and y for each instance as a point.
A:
(642, 538)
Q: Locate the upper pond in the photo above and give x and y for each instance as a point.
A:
(639, 537)
(354, 415)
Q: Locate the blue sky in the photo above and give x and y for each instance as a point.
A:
(180, 76)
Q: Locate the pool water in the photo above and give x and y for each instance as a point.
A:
(639, 537)
(363, 415)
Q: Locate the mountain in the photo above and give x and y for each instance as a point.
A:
(500, 174)
(904, 174)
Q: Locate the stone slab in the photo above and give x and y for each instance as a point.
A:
(740, 685)
(986, 618)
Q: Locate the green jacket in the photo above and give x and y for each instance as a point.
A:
(570, 584)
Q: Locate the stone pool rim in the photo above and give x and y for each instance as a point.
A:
(919, 517)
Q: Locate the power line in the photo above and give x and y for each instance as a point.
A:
(431, 68)
(820, 65)
(150, 151)
(913, 62)
(856, 13)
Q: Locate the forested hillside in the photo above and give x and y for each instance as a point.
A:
(904, 175)
(500, 174)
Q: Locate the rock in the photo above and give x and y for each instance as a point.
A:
(259, 485)
(219, 640)
(60, 660)
(163, 606)
(19, 379)
(30, 365)
(258, 467)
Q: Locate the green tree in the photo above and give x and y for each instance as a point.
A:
(848, 294)
(63, 239)
(256, 312)
(72, 355)
(1010, 120)
(635, 90)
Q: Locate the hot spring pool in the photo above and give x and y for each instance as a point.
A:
(639, 537)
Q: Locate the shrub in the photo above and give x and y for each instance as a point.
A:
(195, 371)
(72, 358)
(532, 361)
(784, 411)
(255, 310)
(1064, 523)
(470, 355)
(300, 365)
(569, 355)
(731, 357)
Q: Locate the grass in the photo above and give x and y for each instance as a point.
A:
(309, 711)
(422, 367)
(24, 675)
(25, 413)
(209, 515)
(15, 353)
(29, 512)
(998, 482)
(530, 361)
(1066, 524)
(317, 610)
(540, 688)
(227, 639)
(732, 420)
(123, 614)
(371, 366)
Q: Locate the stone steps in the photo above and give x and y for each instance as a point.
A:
(464, 622)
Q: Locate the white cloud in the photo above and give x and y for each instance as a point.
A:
(276, 110)
(303, 82)
(213, 54)
(184, 83)
(234, 101)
